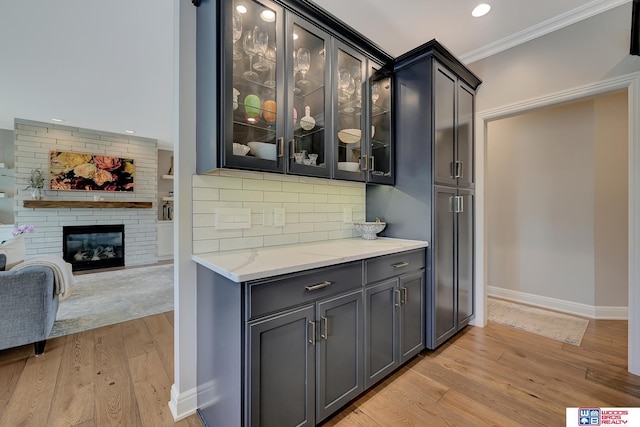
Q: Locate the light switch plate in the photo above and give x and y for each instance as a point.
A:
(233, 218)
(278, 217)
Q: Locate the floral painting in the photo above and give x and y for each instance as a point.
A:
(90, 172)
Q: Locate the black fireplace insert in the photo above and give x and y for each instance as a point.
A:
(90, 247)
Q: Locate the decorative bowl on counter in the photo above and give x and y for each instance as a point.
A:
(349, 166)
(349, 136)
(370, 230)
(263, 150)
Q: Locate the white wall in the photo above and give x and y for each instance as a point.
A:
(556, 197)
(611, 231)
(589, 51)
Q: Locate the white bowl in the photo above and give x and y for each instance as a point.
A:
(349, 166)
(370, 230)
(263, 150)
(349, 136)
(240, 149)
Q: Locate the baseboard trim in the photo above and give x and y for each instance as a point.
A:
(183, 404)
(569, 307)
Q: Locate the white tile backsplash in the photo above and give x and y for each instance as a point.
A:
(313, 209)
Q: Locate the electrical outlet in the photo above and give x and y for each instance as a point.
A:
(347, 215)
(278, 217)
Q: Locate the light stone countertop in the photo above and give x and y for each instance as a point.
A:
(259, 263)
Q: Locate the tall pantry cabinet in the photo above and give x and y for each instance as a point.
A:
(433, 198)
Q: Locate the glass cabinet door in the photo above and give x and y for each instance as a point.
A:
(381, 132)
(252, 125)
(307, 76)
(349, 153)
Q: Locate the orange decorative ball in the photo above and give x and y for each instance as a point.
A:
(269, 110)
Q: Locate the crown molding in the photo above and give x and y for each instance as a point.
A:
(563, 20)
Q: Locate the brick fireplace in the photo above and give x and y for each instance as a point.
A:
(93, 246)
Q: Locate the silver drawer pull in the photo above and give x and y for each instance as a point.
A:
(400, 264)
(318, 286)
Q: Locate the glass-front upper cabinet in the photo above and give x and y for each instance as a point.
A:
(307, 77)
(350, 159)
(252, 117)
(381, 130)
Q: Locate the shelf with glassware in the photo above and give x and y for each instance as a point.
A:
(349, 122)
(381, 125)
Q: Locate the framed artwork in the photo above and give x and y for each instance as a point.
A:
(90, 172)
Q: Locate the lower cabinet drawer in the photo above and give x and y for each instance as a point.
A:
(386, 266)
(268, 296)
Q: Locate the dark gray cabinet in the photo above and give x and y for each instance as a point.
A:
(434, 118)
(394, 313)
(281, 374)
(305, 363)
(282, 87)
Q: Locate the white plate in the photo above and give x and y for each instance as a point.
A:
(263, 150)
(349, 136)
(349, 166)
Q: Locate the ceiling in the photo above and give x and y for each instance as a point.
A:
(108, 65)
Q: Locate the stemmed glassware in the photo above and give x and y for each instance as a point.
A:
(344, 78)
(304, 63)
(270, 56)
(296, 69)
(248, 45)
(261, 44)
(375, 92)
(237, 34)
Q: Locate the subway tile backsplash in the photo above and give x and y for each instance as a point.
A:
(314, 209)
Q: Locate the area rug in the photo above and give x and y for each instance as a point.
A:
(557, 326)
(105, 298)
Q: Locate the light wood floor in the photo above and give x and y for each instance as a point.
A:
(493, 376)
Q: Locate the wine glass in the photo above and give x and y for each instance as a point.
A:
(270, 56)
(359, 92)
(248, 45)
(349, 90)
(237, 34)
(304, 63)
(261, 44)
(296, 90)
(375, 92)
(344, 77)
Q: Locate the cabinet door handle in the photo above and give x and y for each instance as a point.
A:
(460, 204)
(460, 169)
(396, 293)
(372, 163)
(400, 264)
(281, 148)
(403, 295)
(453, 204)
(453, 166)
(325, 327)
(292, 143)
(318, 286)
(365, 162)
(312, 333)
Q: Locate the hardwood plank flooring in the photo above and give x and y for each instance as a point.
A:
(493, 376)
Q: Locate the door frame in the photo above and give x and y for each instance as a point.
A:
(631, 82)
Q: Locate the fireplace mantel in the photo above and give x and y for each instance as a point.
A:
(85, 204)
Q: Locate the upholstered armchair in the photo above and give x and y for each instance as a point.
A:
(28, 307)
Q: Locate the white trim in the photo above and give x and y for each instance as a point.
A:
(563, 306)
(632, 83)
(183, 404)
(557, 22)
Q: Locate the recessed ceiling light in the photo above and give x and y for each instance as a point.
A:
(241, 9)
(295, 36)
(480, 10)
(55, 119)
(268, 15)
(130, 131)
